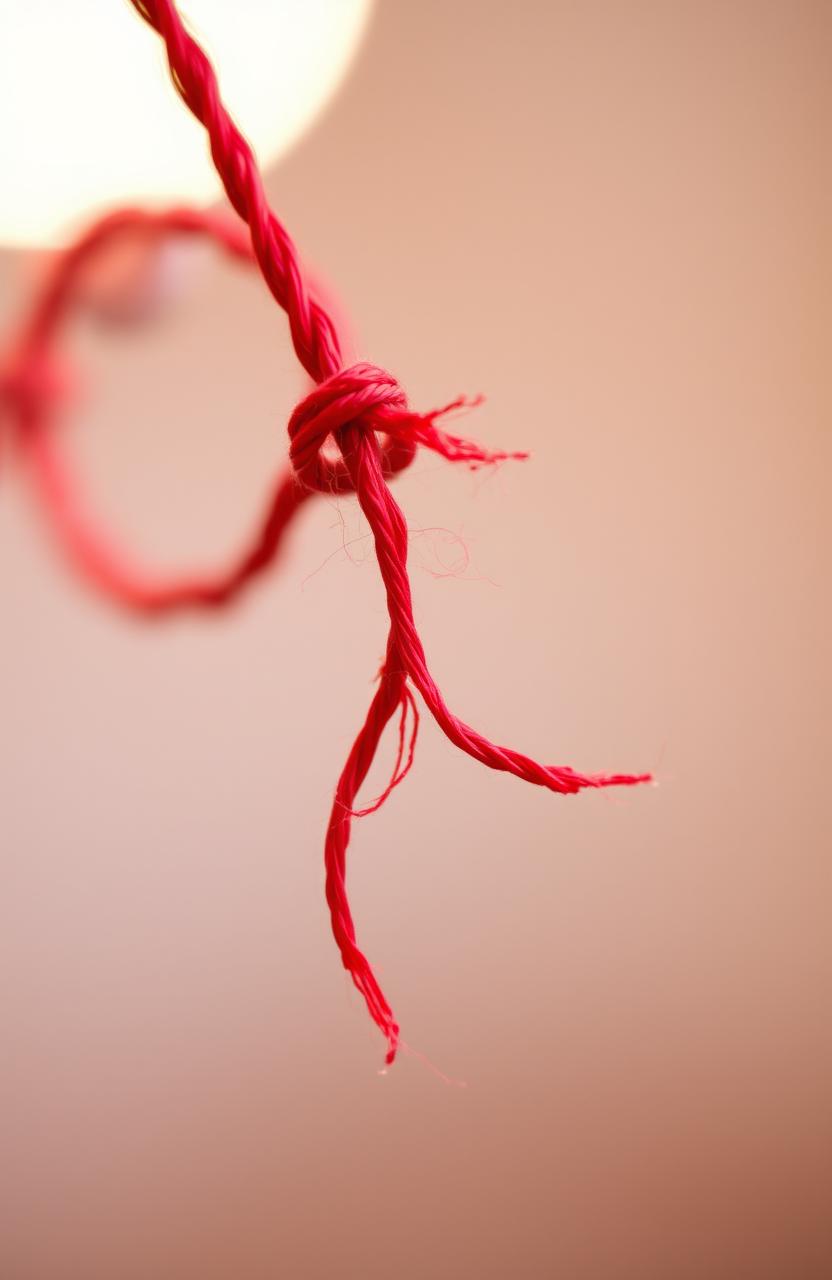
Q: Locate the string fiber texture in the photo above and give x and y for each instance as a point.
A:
(350, 434)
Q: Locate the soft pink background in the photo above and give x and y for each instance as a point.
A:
(613, 219)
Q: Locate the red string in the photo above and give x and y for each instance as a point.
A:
(351, 433)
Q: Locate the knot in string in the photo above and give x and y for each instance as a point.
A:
(371, 398)
(364, 396)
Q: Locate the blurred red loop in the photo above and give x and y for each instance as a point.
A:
(33, 384)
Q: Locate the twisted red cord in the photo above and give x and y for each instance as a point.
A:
(363, 411)
(314, 335)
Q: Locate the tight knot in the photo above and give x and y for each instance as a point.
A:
(364, 396)
(371, 398)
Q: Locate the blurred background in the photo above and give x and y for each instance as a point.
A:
(613, 220)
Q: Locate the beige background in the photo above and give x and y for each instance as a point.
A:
(613, 220)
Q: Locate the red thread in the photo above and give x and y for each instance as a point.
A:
(350, 433)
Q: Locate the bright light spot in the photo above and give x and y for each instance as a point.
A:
(90, 119)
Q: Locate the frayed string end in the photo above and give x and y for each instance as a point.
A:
(422, 429)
